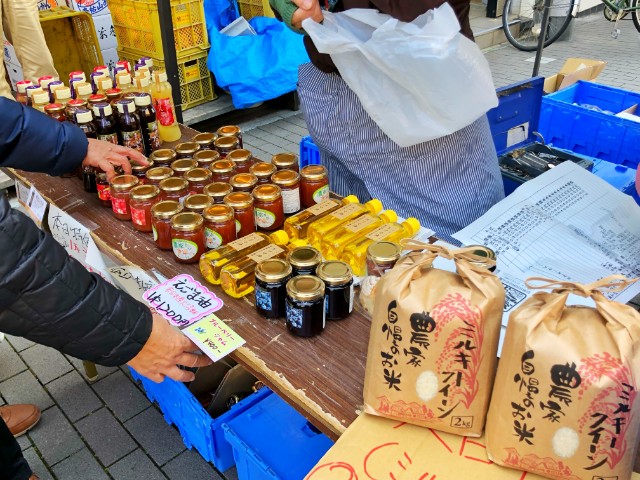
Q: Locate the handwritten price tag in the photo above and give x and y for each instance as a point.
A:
(214, 337)
(69, 233)
(182, 300)
(132, 280)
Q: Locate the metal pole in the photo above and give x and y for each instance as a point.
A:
(169, 49)
(543, 36)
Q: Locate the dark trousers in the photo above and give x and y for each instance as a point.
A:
(13, 465)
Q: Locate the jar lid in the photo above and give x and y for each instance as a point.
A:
(263, 169)
(187, 221)
(173, 184)
(304, 257)
(166, 209)
(40, 97)
(197, 202)
(124, 182)
(125, 105)
(219, 213)
(229, 131)
(286, 178)
(158, 173)
(334, 272)
(243, 180)
(105, 83)
(198, 174)
(384, 252)
(205, 138)
(84, 116)
(218, 189)
(485, 253)
(183, 165)
(63, 93)
(284, 160)
(100, 108)
(143, 100)
(267, 192)
(305, 288)
(273, 270)
(240, 155)
(226, 142)
(53, 107)
(83, 88)
(164, 155)
(313, 172)
(205, 157)
(78, 102)
(123, 78)
(113, 93)
(144, 192)
(22, 85)
(239, 200)
(136, 167)
(222, 166)
(187, 148)
(98, 97)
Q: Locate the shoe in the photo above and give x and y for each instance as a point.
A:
(20, 418)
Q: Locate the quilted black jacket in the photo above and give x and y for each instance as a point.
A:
(45, 295)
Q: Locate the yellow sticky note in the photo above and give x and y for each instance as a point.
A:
(214, 337)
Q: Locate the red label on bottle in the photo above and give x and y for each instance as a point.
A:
(119, 205)
(138, 217)
(164, 111)
(104, 192)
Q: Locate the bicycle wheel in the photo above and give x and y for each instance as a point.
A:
(611, 15)
(635, 14)
(522, 22)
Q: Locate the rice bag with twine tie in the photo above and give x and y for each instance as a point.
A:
(564, 403)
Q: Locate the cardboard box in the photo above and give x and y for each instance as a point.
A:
(110, 58)
(95, 8)
(574, 69)
(105, 32)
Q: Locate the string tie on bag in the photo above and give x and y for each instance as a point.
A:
(612, 283)
(465, 253)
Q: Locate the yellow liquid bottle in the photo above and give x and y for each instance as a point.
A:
(212, 262)
(334, 243)
(355, 254)
(168, 127)
(142, 85)
(123, 82)
(318, 229)
(296, 226)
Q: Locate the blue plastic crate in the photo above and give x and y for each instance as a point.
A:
(272, 441)
(621, 177)
(566, 122)
(309, 153)
(198, 429)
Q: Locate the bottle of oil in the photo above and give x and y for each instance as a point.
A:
(355, 254)
(211, 263)
(322, 227)
(296, 226)
(333, 244)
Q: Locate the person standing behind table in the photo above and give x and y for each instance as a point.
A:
(446, 183)
(21, 25)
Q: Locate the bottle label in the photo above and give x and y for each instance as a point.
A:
(321, 194)
(247, 241)
(104, 192)
(265, 253)
(291, 201)
(347, 211)
(133, 140)
(360, 223)
(238, 227)
(184, 249)
(212, 238)
(154, 136)
(294, 316)
(111, 138)
(322, 207)
(119, 205)
(155, 233)
(263, 298)
(138, 217)
(383, 232)
(264, 218)
(164, 111)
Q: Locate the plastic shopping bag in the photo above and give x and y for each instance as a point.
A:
(418, 81)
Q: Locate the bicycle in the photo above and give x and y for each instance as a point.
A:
(522, 19)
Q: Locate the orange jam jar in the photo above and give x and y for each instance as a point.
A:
(314, 185)
(198, 178)
(140, 171)
(223, 170)
(163, 157)
(187, 237)
(217, 191)
(263, 171)
(174, 189)
(231, 131)
(219, 226)
(242, 204)
(182, 166)
(268, 207)
(156, 174)
(205, 158)
(141, 199)
(224, 145)
(243, 182)
(187, 149)
(205, 140)
(161, 214)
(119, 189)
(286, 161)
(289, 183)
(197, 202)
(242, 158)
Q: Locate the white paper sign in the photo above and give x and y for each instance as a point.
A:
(132, 280)
(22, 192)
(36, 204)
(69, 233)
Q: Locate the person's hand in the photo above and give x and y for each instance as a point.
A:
(105, 156)
(306, 9)
(165, 349)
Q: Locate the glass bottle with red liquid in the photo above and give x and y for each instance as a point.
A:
(187, 237)
(161, 215)
(102, 186)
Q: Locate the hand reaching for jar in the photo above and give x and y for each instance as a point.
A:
(105, 156)
(306, 9)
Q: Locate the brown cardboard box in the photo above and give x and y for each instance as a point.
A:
(574, 69)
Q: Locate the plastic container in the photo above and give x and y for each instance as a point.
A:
(309, 153)
(620, 177)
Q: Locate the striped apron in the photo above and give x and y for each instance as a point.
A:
(445, 183)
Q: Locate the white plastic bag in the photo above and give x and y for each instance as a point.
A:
(418, 81)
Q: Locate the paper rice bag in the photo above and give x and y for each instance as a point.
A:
(565, 399)
(434, 338)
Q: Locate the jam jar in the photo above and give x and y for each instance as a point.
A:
(155, 175)
(484, 253)
(140, 171)
(314, 185)
(304, 260)
(187, 149)
(141, 199)
(198, 178)
(119, 189)
(243, 182)
(197, 202)
(381, 257)
(286, 161)
(263, 171)
(223, 170)
(219, 226)
(305, 306)
(271, 287)
(217, 191)
(182, 166)
(102, 185)
(161, 214)
(242, 204)
(205, 158)
(224, 145)
(187, 237)
(242, 158)
(205, 140)
(289, 183)
(174, 189)
(268, 208)
(55, 111)
(231, 131)
(163, 157)
(338, 279)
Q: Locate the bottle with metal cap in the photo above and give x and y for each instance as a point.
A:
(271, 287)
(296, 226)
(338, 279)
(305, 306)
(304, 260)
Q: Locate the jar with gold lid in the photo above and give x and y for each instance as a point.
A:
(141, 199)
(155, 175)
(242, 158)
(305, 306)
(174, 188)
(187, 237)
(487, 257)
(140, 171)
(182, 166)
(161, 214)
(205, 140)
(268, 208)
(225, 145)
(338, 279)
(217, 191)
(163, 157)
(186, 149)
(219, 226)
(231, 131)
(119, 190)
(243, 182)
(197, 202)
(289, 183)
(263, 171)
(198, 178)
(271, 277)
(242, 204)
(381, 257)
(205, 158)
(223, 170)
(314, 185)
(304, 260)
(286, 161)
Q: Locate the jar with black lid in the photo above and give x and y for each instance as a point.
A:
(304, 260)
(338, 278)
(271, 287)
(305, 306)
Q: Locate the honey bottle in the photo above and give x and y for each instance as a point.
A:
(355, 254)
(333, 244)
(296, 226)
(318, 229)
(212, 262)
